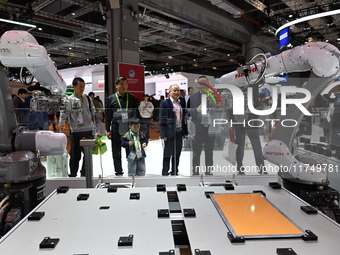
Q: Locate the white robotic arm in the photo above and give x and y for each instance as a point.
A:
(322, 59)
(20, 49)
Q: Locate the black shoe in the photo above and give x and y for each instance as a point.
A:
(119, 175)
(70, 175)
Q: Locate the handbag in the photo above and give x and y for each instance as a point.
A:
(230, 147)
(100, 148)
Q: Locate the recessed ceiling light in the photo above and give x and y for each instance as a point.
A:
(39, 28)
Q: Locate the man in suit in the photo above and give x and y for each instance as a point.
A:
(202, 123)
(172, 129)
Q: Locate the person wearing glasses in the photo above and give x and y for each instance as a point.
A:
(120, 108)
(202, 137)
(172, 129)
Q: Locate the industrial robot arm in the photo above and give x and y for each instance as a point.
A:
(20, 49)
(322, 59)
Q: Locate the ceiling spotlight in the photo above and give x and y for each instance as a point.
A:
(73, 14)
(39, 28)
(169, 57)
(98, 40)
(70, 48)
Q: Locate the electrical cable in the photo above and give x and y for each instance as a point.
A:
(23, 77)
(4, 200)
(262, 70)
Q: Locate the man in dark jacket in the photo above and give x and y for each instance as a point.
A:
(172, 129)
(203, 138)
(120, 107)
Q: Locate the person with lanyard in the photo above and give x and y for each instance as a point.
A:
(172, 129)
(146, 110)
(134, 142)
(81, 124)
(120, 107)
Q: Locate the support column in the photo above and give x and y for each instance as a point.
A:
(123, 38)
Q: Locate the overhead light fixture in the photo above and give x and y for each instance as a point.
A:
(310, 17)
(18, 23)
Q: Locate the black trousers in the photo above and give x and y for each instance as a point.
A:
(202, 140)
(172, 152)
(253, 134)
(75, 153)
(117, 152)
(145, 126)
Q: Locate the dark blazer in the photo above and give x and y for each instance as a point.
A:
(195, 100)
(167, 119)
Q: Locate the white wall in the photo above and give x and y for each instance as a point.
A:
(162, 83)
(184, 80)
(92, 75)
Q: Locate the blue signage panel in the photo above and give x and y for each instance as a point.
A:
(284, 37)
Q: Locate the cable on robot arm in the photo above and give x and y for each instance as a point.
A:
(263, 67)
(24, 77)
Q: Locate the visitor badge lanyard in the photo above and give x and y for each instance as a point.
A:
(80, 119)
(125, 116)
(137, 144)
